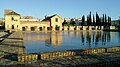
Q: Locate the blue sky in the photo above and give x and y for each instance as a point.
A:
(64, 8)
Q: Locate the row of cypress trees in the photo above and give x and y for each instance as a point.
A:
(98, 21)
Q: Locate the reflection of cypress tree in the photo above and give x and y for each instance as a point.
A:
(97, 38)
(105, 39)
(89, 39)
(108, 36)
(93, 37)
(100, 36)
(82, 38)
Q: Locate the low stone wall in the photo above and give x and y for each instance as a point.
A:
(72, 28)
(52, 55)
(27, 58)
(60, 54)
(113, 49)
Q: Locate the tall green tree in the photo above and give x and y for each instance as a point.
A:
(90, 19)
(87, 21)
(93, 20)
(97, 19)
(105, 20)
(83, 20)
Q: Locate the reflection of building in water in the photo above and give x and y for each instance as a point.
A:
(50, 38)
(54, 38)
(57, 39)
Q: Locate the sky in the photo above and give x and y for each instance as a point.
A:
(64, 8)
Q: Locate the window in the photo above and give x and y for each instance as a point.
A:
(17, 26)
(12, 19)
(48, 28)
(32, 28)
(23, 28)
(56, 19)
(12, 26)
(40, 28)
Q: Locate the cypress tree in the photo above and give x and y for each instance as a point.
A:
(97, 19)
(110, 21)
(90, 21)
(83, 20)
(87, 20)
(93, 20)
(105, 20)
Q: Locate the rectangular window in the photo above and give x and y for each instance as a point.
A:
(56, 19)
(17, 26)
(12, 26)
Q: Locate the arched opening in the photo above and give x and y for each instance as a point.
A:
(57, 27)
(81, 28)
(32, 28)
(75, 28)
(93, 28)
(23, 29)
(48, 28)
(40, 28)
(62, 29)
(87, 28)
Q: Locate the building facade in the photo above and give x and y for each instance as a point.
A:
(14, 22)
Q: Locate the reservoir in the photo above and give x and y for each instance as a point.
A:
(37, 42)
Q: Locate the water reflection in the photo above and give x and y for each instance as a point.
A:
(54, 39)
(50, 41)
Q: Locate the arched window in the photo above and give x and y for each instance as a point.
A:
(12, 19)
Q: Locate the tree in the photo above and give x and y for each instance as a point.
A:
(72, 22)
(90, 19)
(105, 20)
(110, 20)
(83, 20)
(97, 19)
(87, 20)
(64, 22)
(93, 20)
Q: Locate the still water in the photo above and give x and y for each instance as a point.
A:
(58, 41)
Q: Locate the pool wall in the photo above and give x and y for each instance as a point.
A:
(59, 54)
